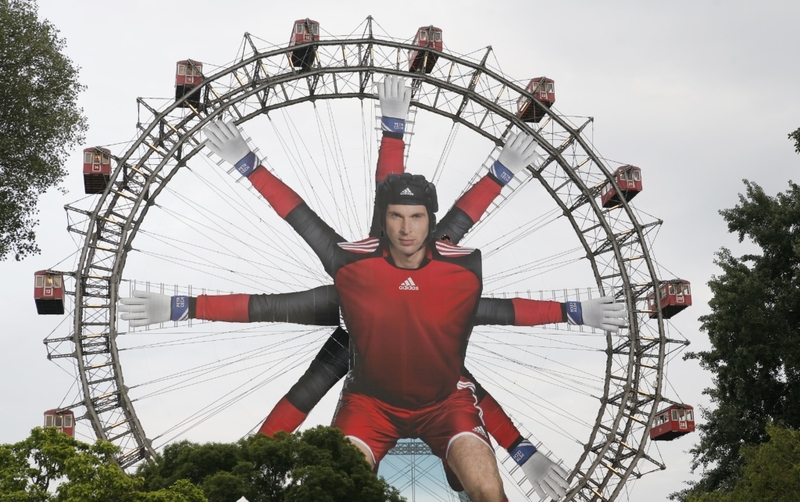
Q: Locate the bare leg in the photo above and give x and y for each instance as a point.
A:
(474, 464)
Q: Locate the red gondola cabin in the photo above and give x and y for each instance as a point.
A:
(672, 423)
(48, 292)
(429, 37)
(543, 89)
(676, 295)
(629, 181)
(305, 30)
(96, 169)
(63, 420)
(188, 77)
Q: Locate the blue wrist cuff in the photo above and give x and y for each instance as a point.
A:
(247, 165)
(574, 313)
(180, 308)
(522, 452)
(502, 173)
(394, 125)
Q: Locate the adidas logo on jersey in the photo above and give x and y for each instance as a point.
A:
(408, 285)
(407, 191)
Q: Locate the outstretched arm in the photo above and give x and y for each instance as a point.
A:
(225, 140)
(602, 313)
(328, 367)
(318, 307)
(518, 153)
(395, 99)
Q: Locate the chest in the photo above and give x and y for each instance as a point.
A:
(435, 293)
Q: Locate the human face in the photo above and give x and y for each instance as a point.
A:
(407, 230)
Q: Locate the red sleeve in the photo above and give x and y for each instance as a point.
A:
(282, 198)
(498, 424)
(390, 158)
(283, 417)
(536, 312)
(231, 308)
(478, 197)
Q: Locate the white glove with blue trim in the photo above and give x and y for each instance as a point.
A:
(548, 478)
(518, 153)
(225, 140)
(601, 313)
(146, 307)
(395, 99)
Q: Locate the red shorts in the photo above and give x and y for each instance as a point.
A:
(378, 425)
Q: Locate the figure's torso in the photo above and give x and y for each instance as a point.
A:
(408, 328)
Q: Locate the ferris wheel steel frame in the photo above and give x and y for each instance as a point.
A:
(464, 90)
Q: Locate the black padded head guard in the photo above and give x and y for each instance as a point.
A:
(410, 190)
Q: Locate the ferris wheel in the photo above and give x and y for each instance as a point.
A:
(169, 218)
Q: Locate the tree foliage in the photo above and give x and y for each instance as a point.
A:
(50, 466)
(754, 330)
(771, 471)
(319, 465)
(795, 136)
(39, 120)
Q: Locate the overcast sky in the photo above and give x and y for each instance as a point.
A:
(699, 94)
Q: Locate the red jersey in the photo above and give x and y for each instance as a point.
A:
(408, 327)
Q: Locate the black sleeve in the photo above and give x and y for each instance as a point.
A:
(499, 311)
(317, 234)
(454, 226)
(318, 307)
(328, 367)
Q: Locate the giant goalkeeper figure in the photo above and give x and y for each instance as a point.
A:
(516, 155)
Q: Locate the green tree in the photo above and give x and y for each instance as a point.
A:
(754, 330)
(207, 465)
(771, 471)
(39, 120)
(319, 465)
(50, 466)
(795, 136)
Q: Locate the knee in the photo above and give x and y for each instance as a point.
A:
(487, 489)
(365, 450)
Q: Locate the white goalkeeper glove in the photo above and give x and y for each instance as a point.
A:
(600, 313)
(518, 153)
(146, 307)
(548, 478)
(225, 140)
(395, 98)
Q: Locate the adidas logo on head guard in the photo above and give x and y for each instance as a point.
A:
(408, 285)
(407, 191)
